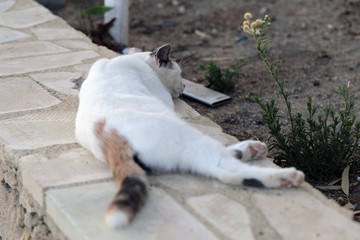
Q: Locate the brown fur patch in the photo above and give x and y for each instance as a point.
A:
(128, 176)
(118, 153)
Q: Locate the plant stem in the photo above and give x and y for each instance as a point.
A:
(262, 51)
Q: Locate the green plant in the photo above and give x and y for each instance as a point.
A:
(97, 10)
(87, 14)
(320, 144)
(221, 80)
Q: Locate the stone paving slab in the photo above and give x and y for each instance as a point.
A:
(56, 34)
(27, 49)
(23, 94)
(84, 68)
(63, 82)
(38, 130)
(293, 208)
(5, 5)
(26, 18)
(9, 35)
(76, 44)
(226, 215)
(33, 64)
(161, 218)
(73, 167)
(201, 123)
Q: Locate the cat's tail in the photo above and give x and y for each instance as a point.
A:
(128, 176)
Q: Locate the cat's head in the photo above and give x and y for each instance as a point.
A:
(168, 71)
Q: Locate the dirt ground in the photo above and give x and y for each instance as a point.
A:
(318, 41)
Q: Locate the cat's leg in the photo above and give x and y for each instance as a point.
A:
(208, 157)
(234, 172)
(129, 177)
(248, 150)
(216, 161)
(167, 144)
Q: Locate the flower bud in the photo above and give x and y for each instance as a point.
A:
(247, 16)
(259, 22)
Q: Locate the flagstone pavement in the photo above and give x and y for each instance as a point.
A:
(54, 189)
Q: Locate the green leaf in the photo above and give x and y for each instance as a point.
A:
(97, 10)
(275, 63)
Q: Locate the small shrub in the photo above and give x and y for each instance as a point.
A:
(320, 144)
(221, 80)
(85, 18)
(96, 11)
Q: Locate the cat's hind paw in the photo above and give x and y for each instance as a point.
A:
(257, 149)
(248, 150)
(288, 177)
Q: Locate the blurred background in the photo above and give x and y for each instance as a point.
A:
(318, 42)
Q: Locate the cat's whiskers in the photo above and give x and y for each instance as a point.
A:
(184, 59)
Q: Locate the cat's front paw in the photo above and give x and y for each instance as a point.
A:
(249, 149)
(287, 177)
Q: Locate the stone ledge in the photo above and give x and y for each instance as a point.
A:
(53, 184)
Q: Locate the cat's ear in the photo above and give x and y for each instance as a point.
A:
(162, 54)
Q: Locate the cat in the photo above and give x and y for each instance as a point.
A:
(126, 118)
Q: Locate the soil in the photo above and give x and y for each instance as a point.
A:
(318, 42)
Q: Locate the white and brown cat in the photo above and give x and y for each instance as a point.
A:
(126, 118)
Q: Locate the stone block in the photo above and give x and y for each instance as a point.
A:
(8, 35)
(38, 130)
(79, 213)
(184, 182)
(59, 81)
(203, 124)
(77, 44)
(57, 33)
(21, 94)
(5, 5)
(26, 18)
(33, 64)
(70, 167)
(84, 69)
(27, 49)
(184, 110)
(297, 215)
(226, 215)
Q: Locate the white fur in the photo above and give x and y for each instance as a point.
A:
(134, 96)
(117, 219)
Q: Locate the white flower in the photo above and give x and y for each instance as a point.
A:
(247, 16)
